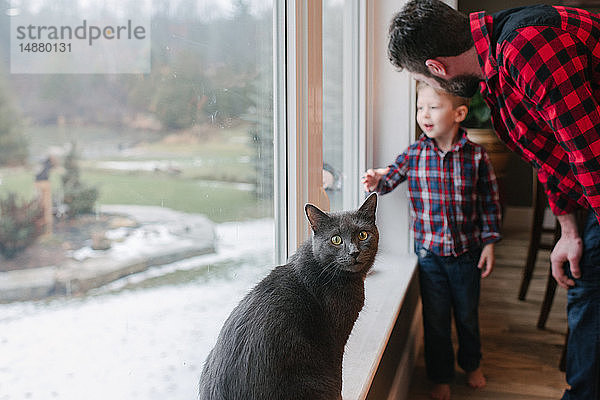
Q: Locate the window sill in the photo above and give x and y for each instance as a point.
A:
(385, 292)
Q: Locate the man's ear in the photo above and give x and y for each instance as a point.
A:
(436, 68)
(315, 216)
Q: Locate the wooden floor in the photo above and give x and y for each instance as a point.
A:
(519, 360)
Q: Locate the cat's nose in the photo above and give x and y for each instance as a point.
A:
(354, 254)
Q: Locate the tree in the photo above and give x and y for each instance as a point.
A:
(13, 144)
(260, 93)
(79, 198)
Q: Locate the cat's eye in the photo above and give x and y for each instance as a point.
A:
(363, 235)
(337, 240)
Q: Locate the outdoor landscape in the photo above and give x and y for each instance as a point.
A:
(170, 172)
(195, 135)
(161, 204)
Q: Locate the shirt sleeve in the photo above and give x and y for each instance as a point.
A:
(559, 202)
(551, 68)
(397, 174)
(488, 202)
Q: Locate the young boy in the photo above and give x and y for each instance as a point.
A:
(455, 219)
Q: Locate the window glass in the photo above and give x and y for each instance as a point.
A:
(136, 208)
(333, 96)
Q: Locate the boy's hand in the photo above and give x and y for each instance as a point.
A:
(371, 178)
(487, 260)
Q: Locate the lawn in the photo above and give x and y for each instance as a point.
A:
(220, 201)
(212, 177)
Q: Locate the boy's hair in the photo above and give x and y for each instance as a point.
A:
(457, 101)
(426, 29)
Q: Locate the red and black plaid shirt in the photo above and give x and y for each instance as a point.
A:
(454, 195)
(542, 83)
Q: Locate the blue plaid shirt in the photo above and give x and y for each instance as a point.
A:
(455, 204)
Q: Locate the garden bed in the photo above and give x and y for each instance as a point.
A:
(68, 235)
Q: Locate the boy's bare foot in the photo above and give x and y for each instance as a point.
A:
(441, 391)
(476, 379)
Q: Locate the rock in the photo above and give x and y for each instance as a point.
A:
(121, 222)
(27, 284)
(100, 242)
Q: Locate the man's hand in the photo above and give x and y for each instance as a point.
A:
(568, 248)
(371, 178)
(486, 260)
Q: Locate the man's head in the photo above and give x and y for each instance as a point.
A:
(424, 31)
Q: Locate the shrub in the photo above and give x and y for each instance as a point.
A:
(79, 198)
(20, 224)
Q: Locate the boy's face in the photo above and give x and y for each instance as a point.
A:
(436, 114)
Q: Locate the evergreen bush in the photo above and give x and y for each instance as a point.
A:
(78, 197)
(20, 224)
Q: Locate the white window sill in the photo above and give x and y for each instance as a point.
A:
(385, 289)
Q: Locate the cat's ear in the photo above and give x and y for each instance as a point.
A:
(369, 207)
(315, 216)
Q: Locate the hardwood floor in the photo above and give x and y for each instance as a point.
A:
(519, 360)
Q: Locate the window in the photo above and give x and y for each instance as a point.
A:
(195, 174)
(333, 101)
(168, 173)
(343, 107)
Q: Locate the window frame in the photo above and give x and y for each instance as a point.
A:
(377, 101)
(298, 97)
(370, 137)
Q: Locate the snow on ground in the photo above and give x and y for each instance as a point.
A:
(143, 337)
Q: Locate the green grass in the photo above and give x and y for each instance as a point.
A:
(221, 157)
(18, 181)
(220, 203)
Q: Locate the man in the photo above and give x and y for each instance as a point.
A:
(538, 68)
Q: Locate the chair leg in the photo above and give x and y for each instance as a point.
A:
(534, 243)
(562, 365)
(548, 299)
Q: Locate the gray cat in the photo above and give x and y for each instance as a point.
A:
(286, 338)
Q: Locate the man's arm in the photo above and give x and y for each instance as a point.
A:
(555, 78)
(559, 201)
(568, 248)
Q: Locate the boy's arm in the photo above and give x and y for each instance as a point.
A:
(488, 201)
(397, 173)
(486, 260)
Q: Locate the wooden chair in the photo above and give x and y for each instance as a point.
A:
(535, 244)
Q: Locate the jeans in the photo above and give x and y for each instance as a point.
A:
(583, 314)
(450, 284)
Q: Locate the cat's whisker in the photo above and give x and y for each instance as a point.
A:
(332, 269)
(326, 270)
